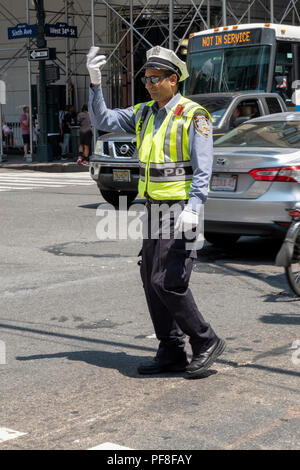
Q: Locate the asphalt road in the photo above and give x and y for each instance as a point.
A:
(74, 325)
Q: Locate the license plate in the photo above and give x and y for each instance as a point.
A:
(121, 175)
(222, 182)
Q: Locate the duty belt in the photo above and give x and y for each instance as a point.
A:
(164, 201)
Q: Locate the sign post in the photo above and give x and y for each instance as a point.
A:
(2, 101)
(42, 149)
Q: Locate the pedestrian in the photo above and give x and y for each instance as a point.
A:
(73, 116)
(174, 140)
(36, 131)
(66, 128)
(25, 130)
(61, 115)
(85, 134)
(8, 133)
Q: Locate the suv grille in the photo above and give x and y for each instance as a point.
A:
(125, 149)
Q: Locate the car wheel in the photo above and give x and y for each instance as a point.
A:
(221, 239)
(113, 196)
(293, 276)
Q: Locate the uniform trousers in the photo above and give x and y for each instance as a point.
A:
(165, 270)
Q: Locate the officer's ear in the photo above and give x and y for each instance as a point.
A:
(173, 79)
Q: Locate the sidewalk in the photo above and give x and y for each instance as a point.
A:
(16, 162)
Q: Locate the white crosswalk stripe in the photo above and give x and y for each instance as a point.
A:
(15, 181)
(7, 434)
(109, 446)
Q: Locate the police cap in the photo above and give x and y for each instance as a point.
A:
(160, 58)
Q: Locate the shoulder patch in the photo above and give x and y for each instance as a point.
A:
(202, 125)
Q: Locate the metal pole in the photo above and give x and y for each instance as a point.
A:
(131, 54)
(271, 11)
(67, 54)
(29, 156)
(42, 151)
(93, 43)
(208, 14)
(224, 12)
(93, 22)
(171, 24)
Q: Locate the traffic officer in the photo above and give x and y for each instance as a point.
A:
(174, 139)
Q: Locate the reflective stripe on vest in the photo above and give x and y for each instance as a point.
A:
(171, 171)
(165, 168)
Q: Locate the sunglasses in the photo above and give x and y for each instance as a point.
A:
(153, 79)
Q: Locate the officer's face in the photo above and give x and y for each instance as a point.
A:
(165, 89)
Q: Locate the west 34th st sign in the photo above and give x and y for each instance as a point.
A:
(61, 30)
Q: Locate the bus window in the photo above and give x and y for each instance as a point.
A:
(246, 69)
(283, 74)
(225, 70)
(205, 70)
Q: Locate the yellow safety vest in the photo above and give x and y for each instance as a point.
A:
(165, 168)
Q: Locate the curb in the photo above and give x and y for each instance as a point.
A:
(47, 167)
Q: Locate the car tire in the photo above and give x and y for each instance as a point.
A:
(221, 239)
(112, 197)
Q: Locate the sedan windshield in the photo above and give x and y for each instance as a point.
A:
(284, 134)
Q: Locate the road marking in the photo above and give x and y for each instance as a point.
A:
(110, 446)
(7, 434)
(9, 181)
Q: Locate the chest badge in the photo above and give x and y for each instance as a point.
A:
(178, 110)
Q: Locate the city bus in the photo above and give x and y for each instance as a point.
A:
(246, 57)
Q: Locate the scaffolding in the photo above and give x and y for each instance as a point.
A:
(124, 30)
(134, 26)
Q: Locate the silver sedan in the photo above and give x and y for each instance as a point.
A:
(256, 176)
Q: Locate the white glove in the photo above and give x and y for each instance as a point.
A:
(187, 220)
(94, 64)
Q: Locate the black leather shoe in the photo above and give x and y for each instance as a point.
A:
(155, 366)
(204, 360)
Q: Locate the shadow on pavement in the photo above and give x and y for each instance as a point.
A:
(249, 257)
(126, 364)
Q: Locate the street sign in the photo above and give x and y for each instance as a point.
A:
(52, 73)
(61, 30)
(38, 54)
(22, 31)
(42, 54)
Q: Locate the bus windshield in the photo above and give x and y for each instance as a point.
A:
(228, 70)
